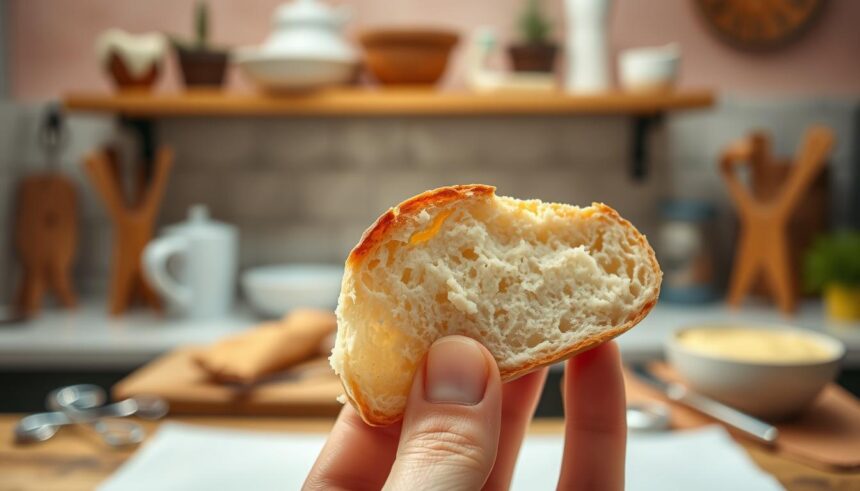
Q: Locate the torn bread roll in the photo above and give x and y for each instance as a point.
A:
(533, 282)
(269, 348)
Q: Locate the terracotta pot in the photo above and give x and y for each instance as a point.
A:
(202, 67)
(407, 56)
(533, 57)
(123, 78)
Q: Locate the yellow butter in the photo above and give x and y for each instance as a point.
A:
(755, 345)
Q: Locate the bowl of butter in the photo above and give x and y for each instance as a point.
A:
(771, 372)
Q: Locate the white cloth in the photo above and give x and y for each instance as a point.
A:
(189, 458)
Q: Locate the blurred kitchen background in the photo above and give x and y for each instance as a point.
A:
(181, 180)
(300, 185)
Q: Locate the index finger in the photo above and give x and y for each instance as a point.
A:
(595, 434)
(355, 456)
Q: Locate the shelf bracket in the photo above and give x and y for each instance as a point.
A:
(144, 130)
(642, 125)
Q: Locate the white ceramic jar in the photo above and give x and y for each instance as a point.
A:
(309, 29)
(305, 50)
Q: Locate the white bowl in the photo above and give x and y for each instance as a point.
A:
(275, 290)
(652, 69)
(277, 73)
(771, 390)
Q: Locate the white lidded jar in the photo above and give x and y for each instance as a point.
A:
(309, 28)
(306, 49)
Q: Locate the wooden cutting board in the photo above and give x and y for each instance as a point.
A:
(827, 435)
(308, 389)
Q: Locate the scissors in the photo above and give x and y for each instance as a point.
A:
(84, 404)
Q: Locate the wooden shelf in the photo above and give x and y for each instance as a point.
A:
(139, 110)
(368, 102)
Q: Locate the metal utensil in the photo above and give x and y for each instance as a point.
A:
(745, 423)
(647, 417)
(82, 404)
(86, 401)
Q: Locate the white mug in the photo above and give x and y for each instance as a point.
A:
(205, 280)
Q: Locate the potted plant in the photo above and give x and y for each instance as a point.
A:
(832, 266)
(202, 65)
(536, 52)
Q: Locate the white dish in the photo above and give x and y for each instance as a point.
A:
(275, 290)
(771, 390)
(651, 69)
(284, 73)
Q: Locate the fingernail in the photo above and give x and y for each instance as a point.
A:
(456, 372)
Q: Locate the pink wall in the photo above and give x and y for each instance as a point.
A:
(51, 42)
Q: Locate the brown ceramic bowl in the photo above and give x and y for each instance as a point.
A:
(407, 56)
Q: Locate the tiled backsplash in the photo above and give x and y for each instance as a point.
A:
(304, 189)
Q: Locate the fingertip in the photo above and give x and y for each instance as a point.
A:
(605, 352)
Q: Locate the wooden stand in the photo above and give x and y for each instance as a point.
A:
(134, 221)
(46, 235)
(763, 245)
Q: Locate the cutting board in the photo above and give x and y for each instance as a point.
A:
(308, 389)
(827, 435)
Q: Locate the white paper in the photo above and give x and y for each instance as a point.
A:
(190, 458)
(703, 459)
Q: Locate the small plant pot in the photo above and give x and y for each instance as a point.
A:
(202, 67)
(842, 302)
(533, 57)
(125, 79)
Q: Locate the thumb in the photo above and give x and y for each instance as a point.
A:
(450, 430)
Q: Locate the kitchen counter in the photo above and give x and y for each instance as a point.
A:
(76, 459)
(87, 338)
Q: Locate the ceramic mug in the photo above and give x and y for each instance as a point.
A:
(205, 276)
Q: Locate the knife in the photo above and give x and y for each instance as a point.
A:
(761, 431)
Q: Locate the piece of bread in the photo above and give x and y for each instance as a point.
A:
(269, 348)
(533, 282)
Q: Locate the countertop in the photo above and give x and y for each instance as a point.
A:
(87, 338)
(75, 459)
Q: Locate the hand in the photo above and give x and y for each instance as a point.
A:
(463, 429)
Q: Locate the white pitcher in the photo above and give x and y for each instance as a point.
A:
(205, 250)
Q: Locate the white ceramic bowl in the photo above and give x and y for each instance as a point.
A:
(769, 390)
(652, 69)
(273, 291)
(280, 73)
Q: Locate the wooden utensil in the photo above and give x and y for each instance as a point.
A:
(46, 226)
(763, 246)
(767, 176)
(46, 235)
(134, 221)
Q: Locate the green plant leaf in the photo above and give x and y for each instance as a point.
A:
(533, 24)
(201, 23)
(832, 259)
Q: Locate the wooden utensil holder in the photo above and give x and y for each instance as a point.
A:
(763, 246)
(134, 222)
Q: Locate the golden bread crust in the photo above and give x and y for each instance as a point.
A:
(374, 235)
